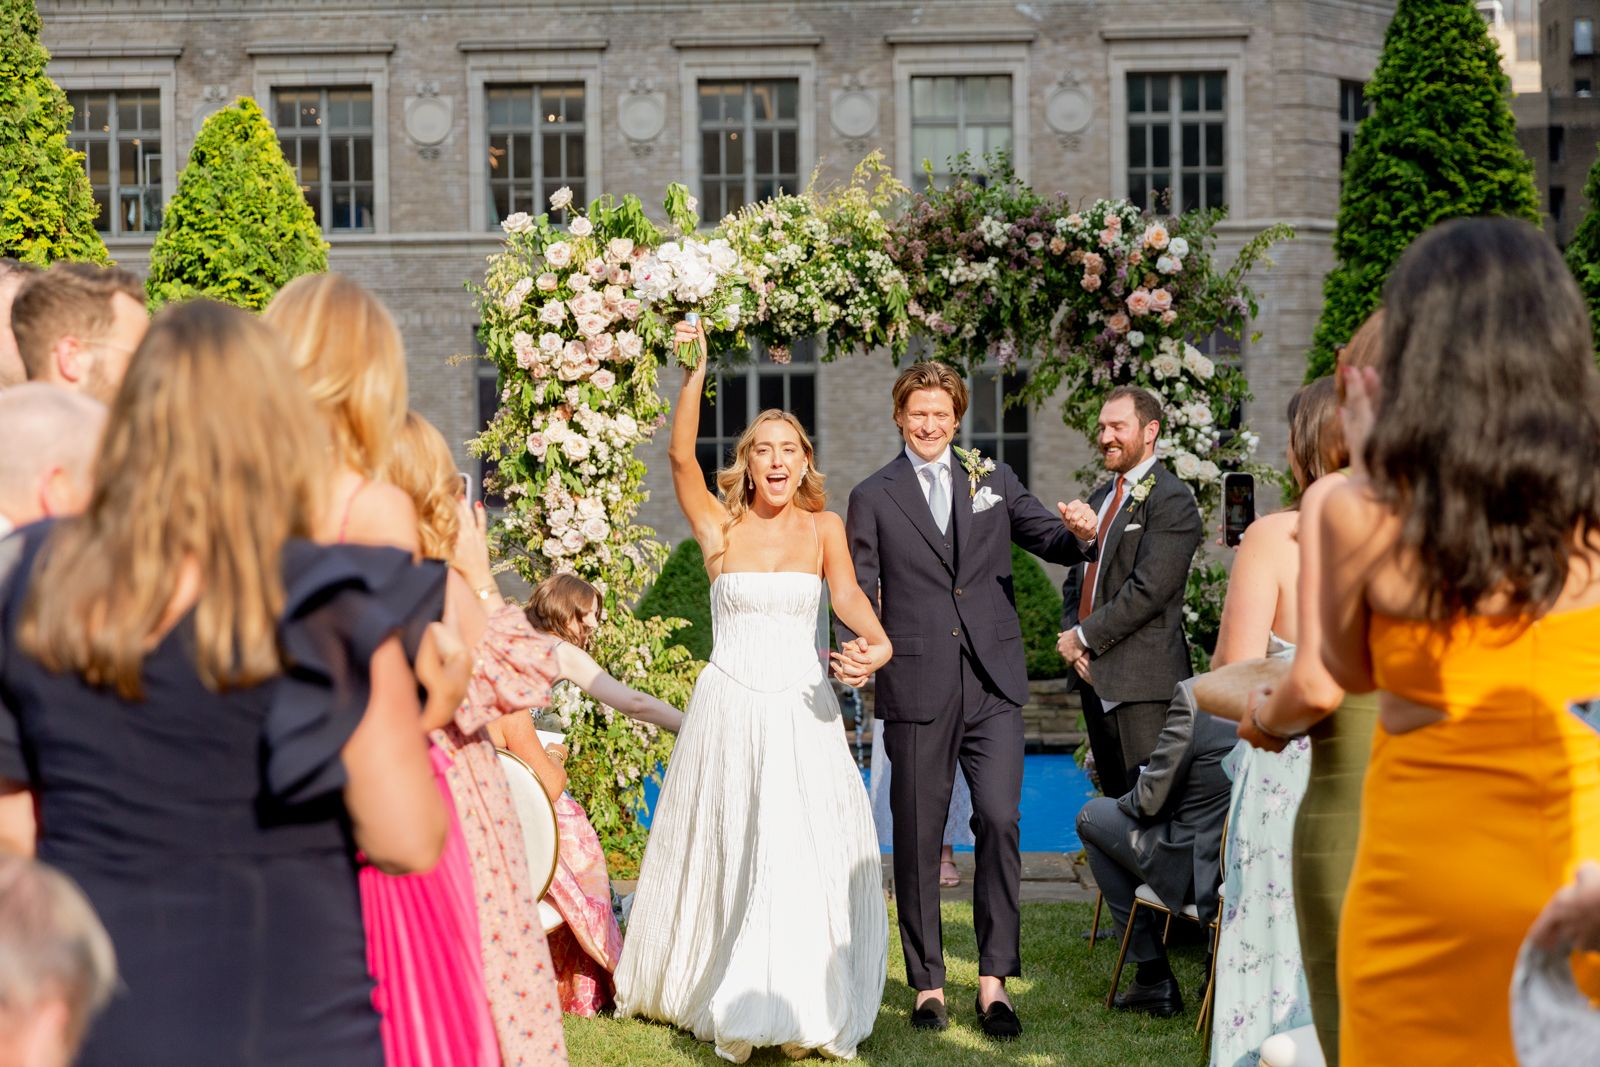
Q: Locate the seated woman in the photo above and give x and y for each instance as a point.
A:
(586, 949)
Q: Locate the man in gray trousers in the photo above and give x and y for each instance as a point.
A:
(1122, 616)
(931, 536)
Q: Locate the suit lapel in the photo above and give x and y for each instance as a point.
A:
(905, 491)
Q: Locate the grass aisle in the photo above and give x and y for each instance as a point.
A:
(1059, 1001)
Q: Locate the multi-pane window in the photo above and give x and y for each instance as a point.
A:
(327, 137)
(749, 142)
(1352, 109)
(742, 393)
(536, 145)
(954, 116)
(1583, 37)
(1176, 141)
(995, 428)
(119, 134)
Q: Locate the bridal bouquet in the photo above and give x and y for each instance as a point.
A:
(691, 274)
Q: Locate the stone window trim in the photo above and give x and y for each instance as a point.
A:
(118, 68)
(529, 63)
(918, 55)
(297, 66)
(1224, 52)
(717, 58)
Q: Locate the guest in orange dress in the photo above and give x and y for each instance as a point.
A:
(1461, 578)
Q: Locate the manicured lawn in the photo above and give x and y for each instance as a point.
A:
(1059, 1001)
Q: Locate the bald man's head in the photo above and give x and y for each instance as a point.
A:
(48, 439)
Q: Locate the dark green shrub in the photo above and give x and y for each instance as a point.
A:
(47, 210)
(1583, 254)
(1039, 609)
(683, 592)
(1439, 142)
(239, 228)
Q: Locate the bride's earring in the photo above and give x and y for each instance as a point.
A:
(804, 471)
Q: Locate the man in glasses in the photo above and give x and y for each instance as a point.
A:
(77, 325)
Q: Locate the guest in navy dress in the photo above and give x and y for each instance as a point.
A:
(214, 714)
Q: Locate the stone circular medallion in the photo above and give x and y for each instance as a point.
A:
(428, 120)
(642, 116)
(855, 112)
(1069, 110)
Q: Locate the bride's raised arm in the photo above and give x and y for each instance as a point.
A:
(703, 510)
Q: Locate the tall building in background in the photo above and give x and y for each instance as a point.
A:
(415, 126)
(1559, 125)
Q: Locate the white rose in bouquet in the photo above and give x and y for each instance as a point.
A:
(1197, 364)
(553, 313)
(626, 425)
(1209, 471)
(517, 294)
(558, 255)
(602, 347)
(1165, 366)
(1178, 247)
(1186, 466)
(596, 529)
(573, 541)
(578, 281)
(581, 227)
(576, 448)
(550, 344)
(561, 198)
(547, 282)
(519, 222)
(589, 508)
(591, 325)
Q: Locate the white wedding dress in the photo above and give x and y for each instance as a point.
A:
(759, 918)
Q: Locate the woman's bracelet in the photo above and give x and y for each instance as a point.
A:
(1269, 733)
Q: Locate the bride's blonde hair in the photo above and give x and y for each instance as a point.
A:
(421, 464)
(733, 481)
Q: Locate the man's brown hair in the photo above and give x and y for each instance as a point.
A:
(68, 300)
(930, 375)
(1146, 405)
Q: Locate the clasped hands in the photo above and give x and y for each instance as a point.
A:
(1075, 652)
(856, 661)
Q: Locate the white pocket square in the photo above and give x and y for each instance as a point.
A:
(1132, 526)
(984, 499)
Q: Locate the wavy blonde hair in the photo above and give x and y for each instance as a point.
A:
(212, 458)
(349, 354)
(733, 481)
(420, 463)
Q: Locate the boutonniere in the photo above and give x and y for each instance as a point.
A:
(977, 465)
(1137, 494)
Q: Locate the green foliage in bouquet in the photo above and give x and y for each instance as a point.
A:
(47, 210)
(683, 591)
(1583, 254)
(1039, 609)
(817, 262)
(239, 228)
(1439, 141)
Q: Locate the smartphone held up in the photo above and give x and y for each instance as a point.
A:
(1238, 506)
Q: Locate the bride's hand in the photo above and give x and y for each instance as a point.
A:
(692, 333)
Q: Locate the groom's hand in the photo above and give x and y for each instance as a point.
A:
(1080, 519)
(852, 664)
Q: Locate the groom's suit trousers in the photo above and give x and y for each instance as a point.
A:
(984, 732)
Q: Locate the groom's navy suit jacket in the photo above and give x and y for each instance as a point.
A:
(936, 592)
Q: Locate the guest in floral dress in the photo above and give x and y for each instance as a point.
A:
(587, 946)
(513, 671)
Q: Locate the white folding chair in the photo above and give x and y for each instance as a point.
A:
(541, 837)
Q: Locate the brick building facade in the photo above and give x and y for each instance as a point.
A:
(415, 123)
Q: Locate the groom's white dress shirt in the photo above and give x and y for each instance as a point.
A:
(925, 477)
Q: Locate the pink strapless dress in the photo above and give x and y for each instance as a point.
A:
(423, 952)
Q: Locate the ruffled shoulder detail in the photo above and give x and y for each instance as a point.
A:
(515, 668)
(341, 603)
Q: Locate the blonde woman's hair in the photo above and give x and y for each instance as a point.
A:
(345, 345)
(733, 481)
(559, 602)
(211, 458)
(421, 464)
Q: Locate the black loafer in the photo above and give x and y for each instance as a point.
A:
(1160, 999)
(931, 1016)
(998, 1021)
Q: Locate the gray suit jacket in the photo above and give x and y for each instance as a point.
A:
(1135, 633)
(1180, 803)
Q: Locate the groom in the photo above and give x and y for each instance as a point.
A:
(931, 535)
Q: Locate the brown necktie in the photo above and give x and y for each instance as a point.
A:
(1086, 598)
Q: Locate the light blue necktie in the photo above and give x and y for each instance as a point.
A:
(938, 495)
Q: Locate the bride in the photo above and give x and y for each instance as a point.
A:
(759, 918)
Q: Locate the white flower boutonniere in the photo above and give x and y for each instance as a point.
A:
(977, 466)
(1137, 494)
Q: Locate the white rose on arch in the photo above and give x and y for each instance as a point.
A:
(561, 198)
(1186, 465)
(1209, 471)
(581, 227)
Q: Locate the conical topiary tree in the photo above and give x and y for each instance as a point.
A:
(1439, 142)
(239, 228)
(1583, 254)
(47, 210)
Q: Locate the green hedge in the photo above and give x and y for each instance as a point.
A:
(683, 592)
(47, 210)
(1439, 142)
(1039, 609)
(1583, 254)
(239, 228)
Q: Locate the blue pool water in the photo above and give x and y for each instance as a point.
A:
(1054, 787)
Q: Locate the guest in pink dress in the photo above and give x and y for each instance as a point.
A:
(565, 611)
(422, 929)
(513, 671)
